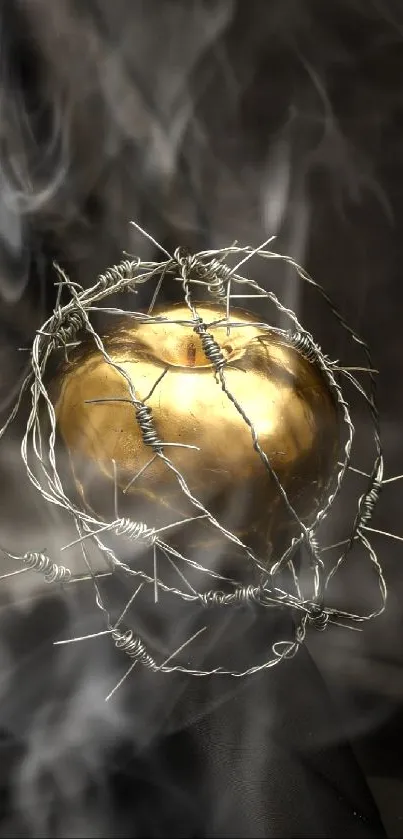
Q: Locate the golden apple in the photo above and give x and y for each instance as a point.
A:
(286, 398)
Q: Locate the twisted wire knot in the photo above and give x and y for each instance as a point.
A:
(66, 326)
(134, 530)
(317, 616)
(185, 259)
(303, 343)
(124, 271)
(246, 594)
(369, 500)
(242, 595)
(134, 648)
(145, 422)
(211, 349)
(52, 572)
(214, 598)
(217, 274)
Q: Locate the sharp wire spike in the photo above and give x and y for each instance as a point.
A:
(115, 489)
(151, 239)
(89, 577)
(156, 383)
(178, 571)
(103, 399)
(182, 647)
(85, 536)
(14, 573)
(335, 545)
(128, 605)
(383, 533)
(345, 626)
(82, 638)
(120, 682)
(391, 480)
(156, 293)
(139, 473)
(247, 296)
(357, 471)
(252, 253)
(181, 521)
(228, 303)
(155, 573)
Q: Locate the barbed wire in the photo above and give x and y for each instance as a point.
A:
(210, 272)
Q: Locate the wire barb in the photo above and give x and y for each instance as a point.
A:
(210, 271)
(40, 562)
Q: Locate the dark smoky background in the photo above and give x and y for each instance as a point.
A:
(206, 122)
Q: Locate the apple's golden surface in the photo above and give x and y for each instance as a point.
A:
(285, 397)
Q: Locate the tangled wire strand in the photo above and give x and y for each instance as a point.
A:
(210, 271)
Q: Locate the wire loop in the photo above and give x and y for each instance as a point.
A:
(209, 271)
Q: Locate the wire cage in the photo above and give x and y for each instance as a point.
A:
(219, 276)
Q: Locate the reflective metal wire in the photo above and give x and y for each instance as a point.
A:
(211, 270)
